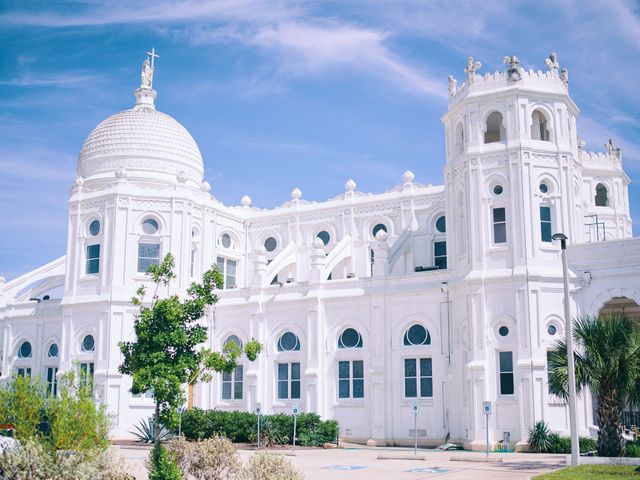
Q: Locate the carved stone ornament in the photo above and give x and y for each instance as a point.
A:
(471, 68)
(182, 177)
(146, 76)
(514, 70)
(350, 185)
(453, 84)
(552, 63)
(564, 76)
(121, 173)
(612, 149)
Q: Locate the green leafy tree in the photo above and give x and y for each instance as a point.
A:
(166, 353)
(607, 359)
(21, 405)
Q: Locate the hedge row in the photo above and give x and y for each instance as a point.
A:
(241, 427)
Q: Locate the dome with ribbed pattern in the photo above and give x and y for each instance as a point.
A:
(144, 143)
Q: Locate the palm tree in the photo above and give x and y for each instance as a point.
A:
(607, 359)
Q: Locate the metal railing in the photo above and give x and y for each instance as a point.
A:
(595, 229)
(630, 419)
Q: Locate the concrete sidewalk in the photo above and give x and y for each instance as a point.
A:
(356, 463)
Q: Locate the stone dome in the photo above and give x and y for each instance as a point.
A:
(143, 142)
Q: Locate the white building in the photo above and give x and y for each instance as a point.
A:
(364, 302)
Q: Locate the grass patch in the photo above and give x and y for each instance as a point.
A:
(593, 472)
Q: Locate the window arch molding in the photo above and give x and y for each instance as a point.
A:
(500, 340)
(493, 181)
(87, 220)
(558, 323)
(279, 243)
(233, 236)
(602, 182)
(551, 182)
(548, 116)
(431, 222)
(276, 334)
(485, 114)
(333, 337)
(397, 341)
(459, 139)
(18, 344)
(150, 214)
(372, 222)
(225, 333)
(47, 345)
(326, 227)
(78, 338)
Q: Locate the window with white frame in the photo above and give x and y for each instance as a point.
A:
(601, 198)
(85, 374)
(228, 269)
(499, 219)
(505, 360)
(147, 395)
(93, 259)
(288, 381)
(232, 384)
(350, 379)
(545, 224)
(52, 380)
(24, 372)
(148, 254)
(192, 268)
(288, 342)
(25, 350)
(418, 378)
(350, 338)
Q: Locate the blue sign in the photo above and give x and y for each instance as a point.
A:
(428, 470)
(346, 467)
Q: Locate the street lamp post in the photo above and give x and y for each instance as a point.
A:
(575, 448)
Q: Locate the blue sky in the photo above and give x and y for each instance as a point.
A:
(284, 94)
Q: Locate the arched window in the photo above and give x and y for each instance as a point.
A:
(416, 335)
(495, 131)
(377, 228)
(539, 127)
(459, 139)
(88, 344)
(53, 350)
(25, 350)
(148, 251)
(602, 199)
(324, 236)
(288, 342)
(350, 338)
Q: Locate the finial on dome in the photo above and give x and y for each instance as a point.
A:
(350, 185)
(246, 201)
(145, 95)
(296, 193)
(408, 176)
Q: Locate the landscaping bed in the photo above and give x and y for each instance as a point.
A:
(593, 472)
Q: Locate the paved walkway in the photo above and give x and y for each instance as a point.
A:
(363, 463)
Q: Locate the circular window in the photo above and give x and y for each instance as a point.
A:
(498, 189)
(544, 188)
(288, 343)
(94, 228)
(324, 236)
(417, 335)
(25, 350)
(350, 338)
(226, 240)
(551, 330)
(53, 350)
(270, 244)
(233, 339)
(88, 344)
(441, 224)
(149, 226)
(377, 228)
(503, 331)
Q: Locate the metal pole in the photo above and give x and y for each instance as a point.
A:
(415, 432)
(575, 448)
(295, 417)
(258, 430)
(487, 431)
(180, 425)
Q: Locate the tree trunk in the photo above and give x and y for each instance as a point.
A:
(156, 424)
(610, 443)
(190, 388)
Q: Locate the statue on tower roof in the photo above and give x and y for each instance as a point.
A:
(552, 63)
(452, 85)
(471, 68)
(514, 70)
(146, 77)
(613, 150)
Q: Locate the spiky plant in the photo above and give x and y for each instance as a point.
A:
(144, 431)
(539, 437)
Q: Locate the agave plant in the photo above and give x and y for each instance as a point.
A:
(539, 437)
(144, 431)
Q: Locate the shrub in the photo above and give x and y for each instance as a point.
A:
(268, 466)
(21, 404)
(539, 437)
(559, 444)
(210, 459)
(270, 433)
(587, 444)
(144, 431)
(162, 464)
(632, 449)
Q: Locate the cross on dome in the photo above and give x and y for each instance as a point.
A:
(152, 54)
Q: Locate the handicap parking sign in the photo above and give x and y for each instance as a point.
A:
(346, 467)
(428, 470)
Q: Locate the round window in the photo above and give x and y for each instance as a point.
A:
(498, 189)
(88, 344)
(25, 350)
(417, 335)
(288, 343)
(226, 240)
(270, 244)
(377, 228)
(503, 331)
(149, 226)
(551, 330)
(441, 224)
(350, 338)
(324, 236)
(94, 228)
(53, 350)
(544, 188)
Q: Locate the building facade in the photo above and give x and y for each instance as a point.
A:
(447, 295)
